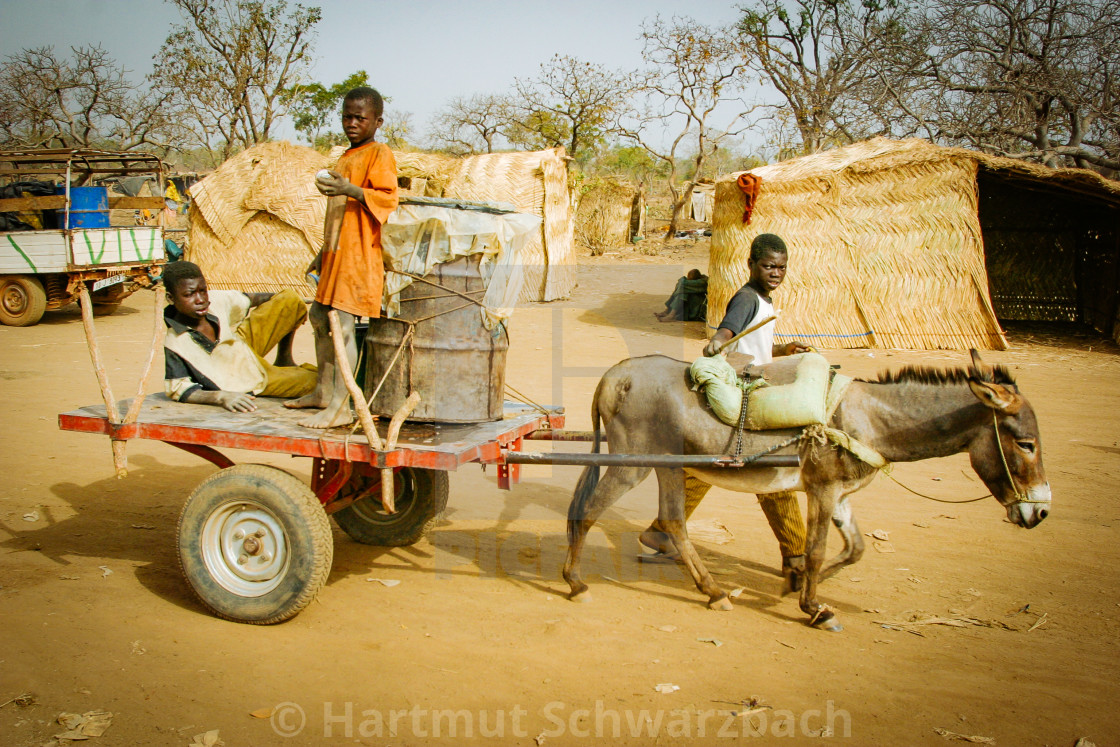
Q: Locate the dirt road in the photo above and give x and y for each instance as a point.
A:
(477, 642)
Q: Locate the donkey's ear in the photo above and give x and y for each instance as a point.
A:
(979, 368)
(996, 396)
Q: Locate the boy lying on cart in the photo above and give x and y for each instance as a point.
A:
(216, 342)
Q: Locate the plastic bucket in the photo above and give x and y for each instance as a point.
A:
(89, 207)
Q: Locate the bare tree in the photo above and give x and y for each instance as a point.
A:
(1033, 79)
(230, 64)
(84, 101)
(693, 71)
(571, 103)
(819, 55)
(397, 129)
(471, 125)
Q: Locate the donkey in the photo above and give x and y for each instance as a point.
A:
(648, 407)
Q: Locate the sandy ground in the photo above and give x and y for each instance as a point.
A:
(477, 642)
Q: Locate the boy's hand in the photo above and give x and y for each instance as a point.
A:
(334, 185)
(236, 401)
(793, 348)
(719, 339)
(316, 265)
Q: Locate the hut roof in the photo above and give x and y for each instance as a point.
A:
(886, 248)
(882, 153)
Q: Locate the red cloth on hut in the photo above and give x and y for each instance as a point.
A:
(749, 184)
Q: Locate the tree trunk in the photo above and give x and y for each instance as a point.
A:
(678, 207)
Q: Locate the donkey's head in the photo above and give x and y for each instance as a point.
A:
(1007, 455)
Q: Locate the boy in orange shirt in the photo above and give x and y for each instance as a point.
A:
(362, 192)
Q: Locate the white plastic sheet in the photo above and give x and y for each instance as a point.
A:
(416, 238)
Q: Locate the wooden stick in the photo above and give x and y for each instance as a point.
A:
(388, 493)
(398, 420)
(158, 332)
(746, 332)
(343, 362)
(120, 460)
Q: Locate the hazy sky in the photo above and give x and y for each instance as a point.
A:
(419, 52)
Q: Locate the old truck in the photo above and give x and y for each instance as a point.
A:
(62, 226)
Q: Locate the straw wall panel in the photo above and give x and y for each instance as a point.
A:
(204, 248)
(287, 190)
(221, 195)
(266, 257)
(534, 182)
(893, 252)
(604, 214)
(560, 268)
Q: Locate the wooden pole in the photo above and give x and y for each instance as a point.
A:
(364, 417)
(120, 460)
(342, 360)
(158, 332)
(388, 493)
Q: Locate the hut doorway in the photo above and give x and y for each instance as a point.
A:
(1051, 254)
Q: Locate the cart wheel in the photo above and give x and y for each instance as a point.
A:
(254, 544)
(22, 300)
(421, 497)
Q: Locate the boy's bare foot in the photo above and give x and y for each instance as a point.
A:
(329, 418)
(659, 541)
(669, 317)
(313, 400)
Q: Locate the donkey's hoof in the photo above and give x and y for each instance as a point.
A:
(722, 604)
(825, 619)
(583, 597)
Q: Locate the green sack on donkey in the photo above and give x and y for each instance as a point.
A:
(792, 405)
(802, 402)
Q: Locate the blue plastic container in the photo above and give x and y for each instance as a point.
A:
(89, 206)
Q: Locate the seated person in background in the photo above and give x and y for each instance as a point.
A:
(689, 302)
(216, 340)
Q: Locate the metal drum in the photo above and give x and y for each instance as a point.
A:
(455, 363)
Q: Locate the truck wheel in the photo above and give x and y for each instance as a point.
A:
(421, 497)
(254, 544)
(22, 300)
(105, 309)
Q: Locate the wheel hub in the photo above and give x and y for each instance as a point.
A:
(14, 299)
(245, 548)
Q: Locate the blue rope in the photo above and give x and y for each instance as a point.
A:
(839, 337)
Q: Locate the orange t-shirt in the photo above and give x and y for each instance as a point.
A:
(353, 274)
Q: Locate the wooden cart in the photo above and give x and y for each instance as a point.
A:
(254, 540)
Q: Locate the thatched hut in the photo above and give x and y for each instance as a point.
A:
(258, 219)
(610, 213)
(904, 244)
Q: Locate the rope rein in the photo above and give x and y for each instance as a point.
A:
(1020, 496)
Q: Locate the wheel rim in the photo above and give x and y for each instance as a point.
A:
(245, 549)
(404, 500)
(15, 300)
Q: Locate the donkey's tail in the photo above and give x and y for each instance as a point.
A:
(589, 478)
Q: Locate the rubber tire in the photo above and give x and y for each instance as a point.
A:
(105, 309)
(306, 530)
(22, 300)
(421, 497)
